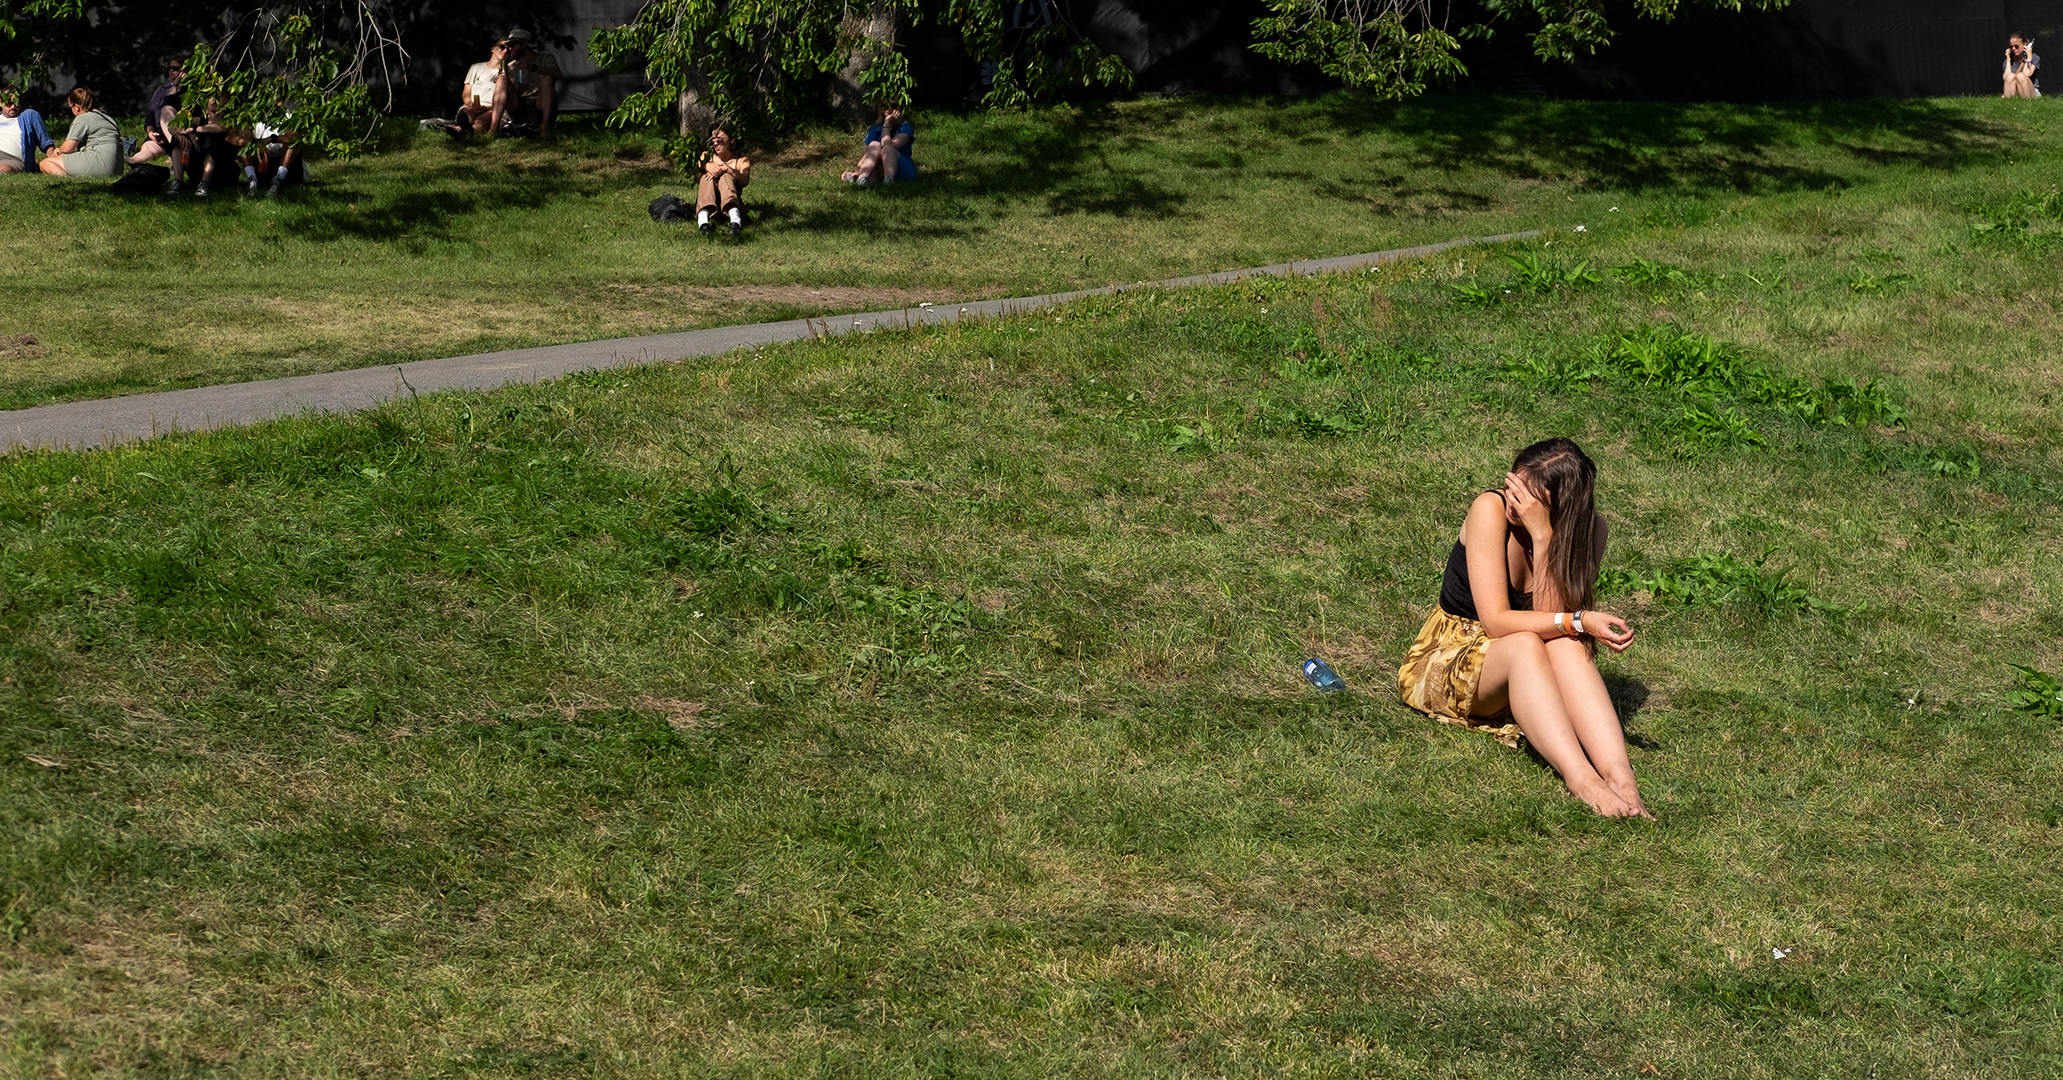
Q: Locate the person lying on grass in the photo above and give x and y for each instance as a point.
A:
(21, 134)
(887, 159)
(724, 176)
(1510, 648)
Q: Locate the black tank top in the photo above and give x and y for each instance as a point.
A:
(1456, 598)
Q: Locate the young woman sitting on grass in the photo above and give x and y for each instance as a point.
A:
(887, 159)
(93, 146)
(1513, 636)
(2023, 68)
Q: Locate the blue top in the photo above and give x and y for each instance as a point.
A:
(874, 136)
(33, 138)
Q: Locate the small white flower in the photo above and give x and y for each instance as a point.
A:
(1264, 311)
(1615, 209)
(1779, 954)
(1580, 228)
(698, 614)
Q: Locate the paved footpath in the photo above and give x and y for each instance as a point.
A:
(111, 421)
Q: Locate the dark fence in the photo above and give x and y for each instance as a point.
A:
(1812, 49)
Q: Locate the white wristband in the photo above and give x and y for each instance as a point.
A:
(1558, 622)
(1579, 622)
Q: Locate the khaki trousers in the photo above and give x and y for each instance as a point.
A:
(718, 192)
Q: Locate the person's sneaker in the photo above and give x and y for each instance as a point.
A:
(737, 227)
(254, 185)
(175, 188)
(273, 192)
(706, 227)
(200, 190)
(434, 123)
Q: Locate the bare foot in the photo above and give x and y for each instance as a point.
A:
(1607, 803)
(1629, 793)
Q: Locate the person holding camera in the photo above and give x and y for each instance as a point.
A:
(2023, 68)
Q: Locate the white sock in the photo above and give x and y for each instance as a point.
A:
(701, 217)
(737, 216)
(250, 172)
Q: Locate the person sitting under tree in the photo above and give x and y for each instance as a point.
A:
(724, 176)
(887, 159)
(159, 117)
(529, 81)
(93, 145)
(273, 154)
(21, 134)
(2023, 68)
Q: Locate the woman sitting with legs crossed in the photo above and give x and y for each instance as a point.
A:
(1513, 637)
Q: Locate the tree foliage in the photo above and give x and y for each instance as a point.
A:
(760, 65)
(282, 72)
(1042, 58)
(1395, 48)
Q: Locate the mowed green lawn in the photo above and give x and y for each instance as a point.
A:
(430, 249)
(925, 703)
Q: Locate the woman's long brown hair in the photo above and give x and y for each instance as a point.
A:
(1559, 469)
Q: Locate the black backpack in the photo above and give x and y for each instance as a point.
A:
(142, 180)
(669, 207)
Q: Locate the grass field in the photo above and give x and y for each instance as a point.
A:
(925, 703)
(431, 249)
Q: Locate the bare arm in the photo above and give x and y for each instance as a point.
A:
(1483, 537)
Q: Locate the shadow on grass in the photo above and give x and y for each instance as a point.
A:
(1706, 149)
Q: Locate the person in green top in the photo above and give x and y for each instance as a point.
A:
(93, 146)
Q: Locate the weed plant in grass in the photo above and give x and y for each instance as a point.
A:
(438, 249)
(926, 703)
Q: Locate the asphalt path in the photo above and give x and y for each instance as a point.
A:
(113, 421)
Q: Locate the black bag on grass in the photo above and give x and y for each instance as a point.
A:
(669, 207)
(142, 180)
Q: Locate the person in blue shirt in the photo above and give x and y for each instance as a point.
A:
(21, 134)
(2023, 68)
(887, 159)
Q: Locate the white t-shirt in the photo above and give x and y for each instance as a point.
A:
(11, 136)
(480, 80)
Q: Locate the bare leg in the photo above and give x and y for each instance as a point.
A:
(150, 149)
(547, 90)
(502, 100)
(1518, 670)
(51, 165)
(1595, 720)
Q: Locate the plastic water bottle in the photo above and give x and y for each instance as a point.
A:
(1323, 677)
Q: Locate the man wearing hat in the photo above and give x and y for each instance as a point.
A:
(529, 75)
